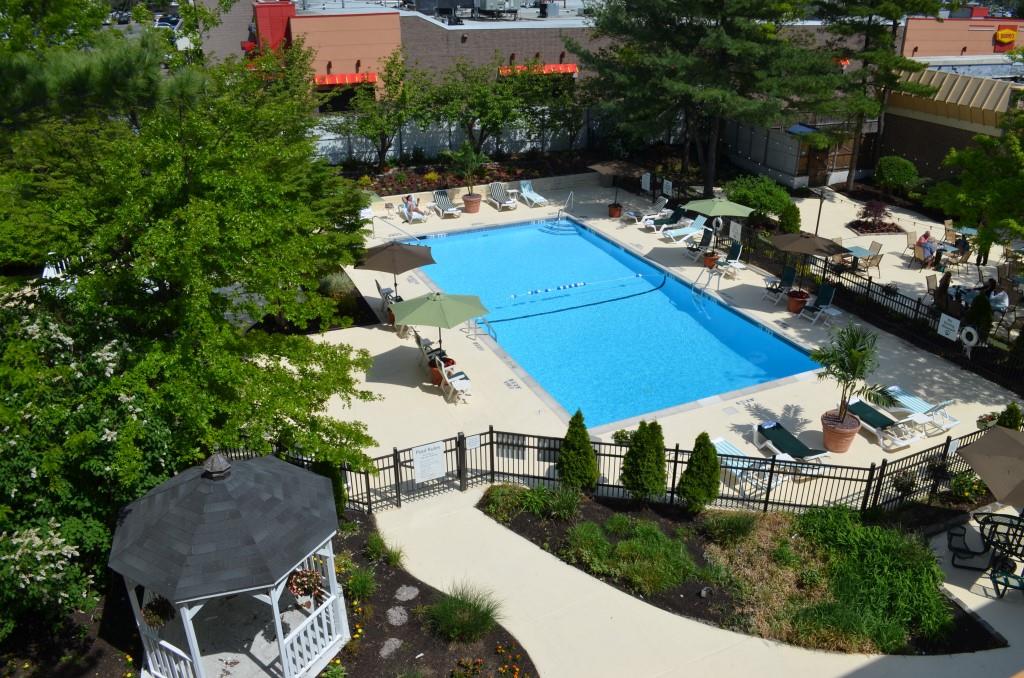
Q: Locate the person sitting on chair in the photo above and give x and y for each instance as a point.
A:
(997, 297)
(928, 245)
(411, 207)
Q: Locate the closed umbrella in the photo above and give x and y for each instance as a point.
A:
(718, 207)
(998, 459)
(395, 258)
(438, 310)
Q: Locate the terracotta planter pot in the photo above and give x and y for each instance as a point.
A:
(795, 301)
(839, 435)
(614, 211)
(471, 203)
(711, 260)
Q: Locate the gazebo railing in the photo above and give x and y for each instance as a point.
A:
(165, 660)
(311, 638)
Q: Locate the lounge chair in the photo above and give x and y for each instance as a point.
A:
(427, 350)
(732, 261)
(933, 418)
(658, 225)
(696, 250)
(822, 304)
(499, 197)
(776, 288)
(387, 294)
(444, 206)
(654, 212)
(411, 216)
(455, 384)
(751, 473)
(889, 433)
(778, 440)
(686, 232)
(532, 198)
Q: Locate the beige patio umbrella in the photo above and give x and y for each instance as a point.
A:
(998, 459)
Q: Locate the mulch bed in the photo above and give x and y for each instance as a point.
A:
(684, 600)
(970, 633)
(863, 227)
(421, 653)
(929, 518)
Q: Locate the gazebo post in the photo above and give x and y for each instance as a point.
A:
(332, 583)
(275, 595)
(187, 613)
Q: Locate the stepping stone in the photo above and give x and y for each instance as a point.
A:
(389, 647)
(406, 593)
(397, 616)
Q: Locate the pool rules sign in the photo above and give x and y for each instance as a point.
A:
(428, 462)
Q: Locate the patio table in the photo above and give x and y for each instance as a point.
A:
(857, 252)
(966, 230)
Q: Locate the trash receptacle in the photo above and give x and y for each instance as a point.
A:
(543, 11)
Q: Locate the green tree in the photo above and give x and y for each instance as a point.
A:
(699, 485)
(551, 104)
(865, 37)
(1011, 417)
(31, 26)
(690, 63)
(467, 163)
(643, 468)
(476, 100)
(766, 197)
(896, 174)
(577, 462)
(849, 357)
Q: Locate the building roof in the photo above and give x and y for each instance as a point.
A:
(969, 100)
(202, 534)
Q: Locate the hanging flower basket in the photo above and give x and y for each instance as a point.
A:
(157, 612)
(305, 583)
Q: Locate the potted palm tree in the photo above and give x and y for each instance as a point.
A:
(849, 357)
(467, 162)
(615, 207)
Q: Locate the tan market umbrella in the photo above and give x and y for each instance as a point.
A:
(998, 459)
(395, 258)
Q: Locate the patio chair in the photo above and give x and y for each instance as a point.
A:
(499, 197)
(958, 258)
(751, 473)
(444, 206)
(933, 417)
(427, 350)
(873, 261)
(732, 261)
(455, 385)
(387, 294)
(778, 440)
(919, 256)
(411, 216)
(686, 232)
(658, 225)
(822, 304)
(531, 197)
(776, 288)
(890, 434)
(696, 250)
(950, 232)
(933, 285)
(911, 241)
(654, 212)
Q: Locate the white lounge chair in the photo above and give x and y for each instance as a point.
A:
(455, 384)
(531, 197)
(411, 216)
(933, 419)
(686, 232)
(751, 472)
(499, 197)
(387, 294)
(890, 434)
(657, 210)
(444, 205)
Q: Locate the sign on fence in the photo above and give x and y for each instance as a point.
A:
(428, 462)
(949, 327)
(666, 187)
(645, 181)
(473, 442)
(735, 231)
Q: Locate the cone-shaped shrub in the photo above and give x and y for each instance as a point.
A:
(699, 485)
(643, 469)
(1011, 417)
(577, 463)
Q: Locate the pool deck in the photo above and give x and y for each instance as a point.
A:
(507, 398)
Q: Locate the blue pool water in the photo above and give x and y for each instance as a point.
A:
(601, 329)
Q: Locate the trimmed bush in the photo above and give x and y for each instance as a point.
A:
(789, 218)
(465, 615)
(577, 462)
(896, 174)
(333, 472)
(728, 529)
(643, 469)
(504, 502)
(979, 315)
(699, 485)
(765, 197)
(1011, 417)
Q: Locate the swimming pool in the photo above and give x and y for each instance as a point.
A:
(601, 329)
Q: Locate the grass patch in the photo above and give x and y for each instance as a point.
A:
(884, 584)
(643, 558)
(728, 528)
(505, 502)
(379, 551)
(465, 614)
(361, 584)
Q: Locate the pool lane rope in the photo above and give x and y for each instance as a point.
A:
(664, 279)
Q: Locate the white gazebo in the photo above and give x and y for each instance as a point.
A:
(199, 551)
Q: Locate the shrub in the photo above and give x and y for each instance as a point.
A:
(622, 436)
(789, 218)
(504, 502)
(896, 174)
(564, 504)
(577, 462)
(876, 212)
(729, 529)
(586, 545)
(619, 525)
(699, 485)
(643, 468)
(361, 583)
(904, 483)
(333, 472)
(979, 315)
(336, 286)
(465, 614)
(884, 585)
(1011, 417)
(967, 486)
(379, 551)
(763, 195)
(649, 561)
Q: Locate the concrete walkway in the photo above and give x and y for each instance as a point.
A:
(573, 625)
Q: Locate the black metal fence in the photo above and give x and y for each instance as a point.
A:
(888, 309)
(757, 484)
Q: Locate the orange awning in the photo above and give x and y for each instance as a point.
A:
(334, 79)
(546, 69)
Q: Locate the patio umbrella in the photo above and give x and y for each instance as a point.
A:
(807, 244)
(998, 459)
(395, 258)
(718, 207)
(438, 310)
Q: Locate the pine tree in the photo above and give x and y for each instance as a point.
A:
(699, 485)
(577, 462)
(643, 469)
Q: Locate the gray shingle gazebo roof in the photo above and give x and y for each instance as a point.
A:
(212, 530)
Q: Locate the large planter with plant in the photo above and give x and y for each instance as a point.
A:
(615, 207)
(796, 300)
(849, 357)
(471, 202)
(467, 162)
(710, 258)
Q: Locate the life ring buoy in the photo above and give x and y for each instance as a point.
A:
(969, 336)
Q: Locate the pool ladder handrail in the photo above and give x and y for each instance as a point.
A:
(566, 206)
(478, 327)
